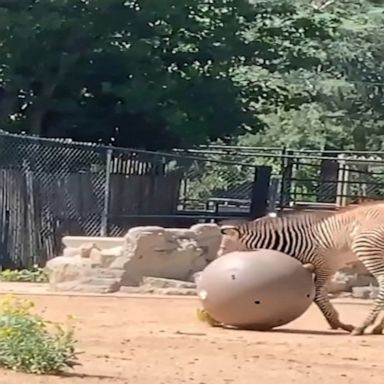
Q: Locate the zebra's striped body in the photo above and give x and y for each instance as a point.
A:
(328, 241)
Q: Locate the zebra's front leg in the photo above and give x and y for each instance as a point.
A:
(379, 328)
(378, 305)
(371, 256)
(324, 304)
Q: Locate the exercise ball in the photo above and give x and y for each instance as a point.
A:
(256, 290)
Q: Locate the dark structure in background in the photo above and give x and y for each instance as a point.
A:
(50, 188)
(312, 180)
(53, 188)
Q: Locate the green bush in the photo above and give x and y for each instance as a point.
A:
(33, 275)
(28, 343)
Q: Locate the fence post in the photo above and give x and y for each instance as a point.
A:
(273, 194)
(260, 191)
(107, 189)
(5, 260)
(342, 181)
(286, 179)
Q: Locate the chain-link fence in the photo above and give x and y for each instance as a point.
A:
(176, 189)
(311, 179)
(53, 188)
(47, 189)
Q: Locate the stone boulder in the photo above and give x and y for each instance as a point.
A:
(365, 292)
(208, 237)
(159, 252)
(100, 264)
(347, 279)
(81, 274)
(138, 261)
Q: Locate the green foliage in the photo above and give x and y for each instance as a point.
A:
(219, 174)
(152, 75)
(345, 107)
(31, 344)
(179, 73)
(33, 275)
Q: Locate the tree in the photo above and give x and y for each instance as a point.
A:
(345, 110)
(151, 74)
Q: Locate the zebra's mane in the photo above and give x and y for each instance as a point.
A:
(297, 218)
(300, 218)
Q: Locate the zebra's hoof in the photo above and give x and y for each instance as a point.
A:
(345, 327)
(358, 331)
(349, 328)
(378, 330)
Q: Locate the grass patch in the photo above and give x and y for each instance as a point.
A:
(30, 344)
(33, 275)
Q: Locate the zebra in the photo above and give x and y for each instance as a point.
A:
(325, 242)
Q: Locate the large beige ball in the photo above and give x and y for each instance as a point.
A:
(259, 289)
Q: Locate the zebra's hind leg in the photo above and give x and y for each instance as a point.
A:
(379, 328)
(377, 307)
(373, 260)
(324, 304)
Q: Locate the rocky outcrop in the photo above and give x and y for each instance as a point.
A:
(345, 280)
(159, 260)
(100, 264)
(368, 292)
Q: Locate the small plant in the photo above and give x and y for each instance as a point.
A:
(30, 344)
(33, 275)
(205, 317)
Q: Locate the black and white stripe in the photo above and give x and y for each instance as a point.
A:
(301, 236)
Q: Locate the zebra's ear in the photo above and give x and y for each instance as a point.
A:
(229, 230)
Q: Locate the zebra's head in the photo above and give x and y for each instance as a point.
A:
(230, 240)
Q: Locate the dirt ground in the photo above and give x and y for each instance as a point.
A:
(160, 341)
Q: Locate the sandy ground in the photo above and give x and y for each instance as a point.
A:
(160, 341)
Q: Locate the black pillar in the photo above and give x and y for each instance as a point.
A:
(260, 192)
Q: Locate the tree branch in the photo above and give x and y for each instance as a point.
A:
(321, 6)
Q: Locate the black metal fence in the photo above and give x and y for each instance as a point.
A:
(53, 188)
(311, 179)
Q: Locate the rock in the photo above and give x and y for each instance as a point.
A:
(105, 257)
(62, 268)
(74, 286)
(69, 251)
(369, 292)
(156, 282)
(344, 281)
(170, 256)
(156, 252)
(209, 238)
(78, 274)
(101, 242)
(196, 276)
(86, 249)
(338, 283)
(107, 273)
(178, 292)
(112, 252)
(136, 290)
